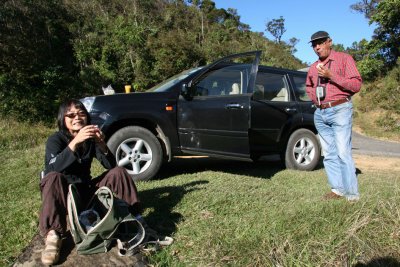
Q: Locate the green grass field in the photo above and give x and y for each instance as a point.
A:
(224, 213)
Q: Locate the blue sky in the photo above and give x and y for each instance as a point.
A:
(302, 19)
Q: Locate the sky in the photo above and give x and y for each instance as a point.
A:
(302, 19)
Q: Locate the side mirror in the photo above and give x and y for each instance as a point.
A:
(186, 92)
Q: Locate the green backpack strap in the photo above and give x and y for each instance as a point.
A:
(74, 208)
(130, 235)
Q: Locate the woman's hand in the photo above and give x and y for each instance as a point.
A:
(87, 132)
(99, 139)
(99, 136)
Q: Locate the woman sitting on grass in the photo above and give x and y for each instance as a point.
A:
(68, 159)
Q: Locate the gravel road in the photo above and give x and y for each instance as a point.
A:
(364, 145)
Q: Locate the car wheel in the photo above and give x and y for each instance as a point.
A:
(302, 151)
(138, 151)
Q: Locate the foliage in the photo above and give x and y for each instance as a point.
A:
(387, 16)
(383, 93)
(36, 64)
(71, 48)
(370, 68)
(338, 47)
(385, 43)
(367, 7)
(277, 28)
(22, 135)
(109, 41)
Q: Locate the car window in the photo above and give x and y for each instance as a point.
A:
(228, 80)
(300, 88)
(272, 87)
(167, 84)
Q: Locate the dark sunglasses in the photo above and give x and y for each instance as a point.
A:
(72, 115)
(318, 42)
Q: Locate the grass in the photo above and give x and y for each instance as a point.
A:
(226, 213)
(237, 214)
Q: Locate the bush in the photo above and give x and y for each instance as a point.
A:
(382, 93)
(389, 122)
(22, 135)
(370, 68)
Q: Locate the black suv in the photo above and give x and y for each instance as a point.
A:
(232, 108)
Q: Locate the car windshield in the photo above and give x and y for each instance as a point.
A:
(165, 85)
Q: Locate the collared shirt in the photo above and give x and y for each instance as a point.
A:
(345, 82)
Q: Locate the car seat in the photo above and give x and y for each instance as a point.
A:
(259, 92)
(282, 95)
(235, 89)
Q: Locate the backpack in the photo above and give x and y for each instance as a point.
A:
(105, 219)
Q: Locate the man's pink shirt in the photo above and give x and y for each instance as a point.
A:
(346, 80)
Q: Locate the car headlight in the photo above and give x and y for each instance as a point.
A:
(88, 102)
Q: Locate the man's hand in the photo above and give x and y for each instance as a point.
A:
(324, 71)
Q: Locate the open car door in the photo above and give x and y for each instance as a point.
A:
(214, 112)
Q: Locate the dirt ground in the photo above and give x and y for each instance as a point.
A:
(30, 257)
(371, 163)
(367, 162)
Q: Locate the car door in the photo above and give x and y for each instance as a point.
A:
(215, 119)
(273, 111)
(303, 101)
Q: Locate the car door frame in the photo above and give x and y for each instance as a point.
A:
(269, 135)
(217, 125)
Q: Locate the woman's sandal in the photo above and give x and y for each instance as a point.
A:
(51, 252)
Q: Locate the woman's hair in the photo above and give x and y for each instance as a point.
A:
(64, 107)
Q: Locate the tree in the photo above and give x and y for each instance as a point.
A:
(56, 49)
(360, 50)
(387, 34)
(36, 58)
(109, 40)
(292, 45)
(386, 39)
(366, 7)
(338, 47)
(277, 28)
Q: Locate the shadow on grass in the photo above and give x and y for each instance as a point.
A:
(380, 262)
(262, 169)
(161, 202)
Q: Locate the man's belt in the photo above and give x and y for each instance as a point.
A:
(333, 103)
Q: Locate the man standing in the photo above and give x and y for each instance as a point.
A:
(331, 82)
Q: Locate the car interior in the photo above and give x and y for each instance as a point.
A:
(272, 87)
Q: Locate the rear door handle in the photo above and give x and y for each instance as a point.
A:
(234, 106)
(290, 110)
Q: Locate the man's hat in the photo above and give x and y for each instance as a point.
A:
(319, 35)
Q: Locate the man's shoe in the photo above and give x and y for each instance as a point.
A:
(352, 199)
(51, 252)
(331, 195)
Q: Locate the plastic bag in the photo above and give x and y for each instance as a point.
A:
(108, 90)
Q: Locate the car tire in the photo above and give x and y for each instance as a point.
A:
(302, 151)
(138, 151)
